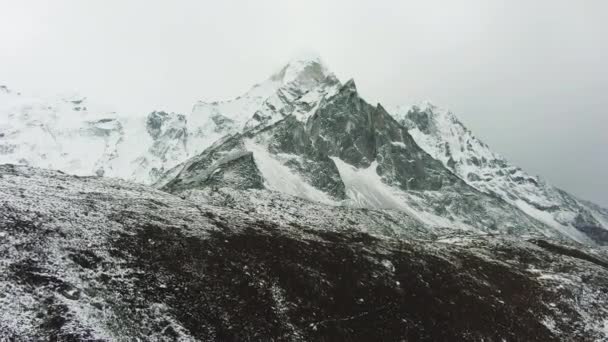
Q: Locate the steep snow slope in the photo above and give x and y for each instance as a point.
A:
(91, 258)
(65, 133)
(443, 136)
(75, 136)
(279, 177)
(365, 189)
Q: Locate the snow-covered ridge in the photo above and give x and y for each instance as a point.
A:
(70, 134)
(67, 133)
(441, 134)
(294, 89)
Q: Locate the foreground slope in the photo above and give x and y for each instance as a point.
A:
(444, 137)
(88, 257)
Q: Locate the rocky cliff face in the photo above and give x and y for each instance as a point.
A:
(98, 258)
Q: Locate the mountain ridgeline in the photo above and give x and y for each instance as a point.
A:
(304, 133)
(330, 145)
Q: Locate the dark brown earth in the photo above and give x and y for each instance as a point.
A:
(92, 258)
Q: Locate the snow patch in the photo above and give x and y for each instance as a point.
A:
(548, 218)
(279, 177)
(365, 188)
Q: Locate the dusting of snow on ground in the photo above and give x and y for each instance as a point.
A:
(93, 257)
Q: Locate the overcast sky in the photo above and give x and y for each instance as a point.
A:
(528, 77)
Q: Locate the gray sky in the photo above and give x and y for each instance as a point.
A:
(528, 77)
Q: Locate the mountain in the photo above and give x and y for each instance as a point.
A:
(348, 152)
(66, 133)
(70, 134)
(293, 90)
(304, 133)
(445, 138)
(96, 258)
(297, 211)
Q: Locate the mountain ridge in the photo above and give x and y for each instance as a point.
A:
(319, 160)
(151, 149)
(448, 140)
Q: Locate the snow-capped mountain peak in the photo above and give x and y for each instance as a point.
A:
(350, 86)
(305, 71)
(294, 89)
